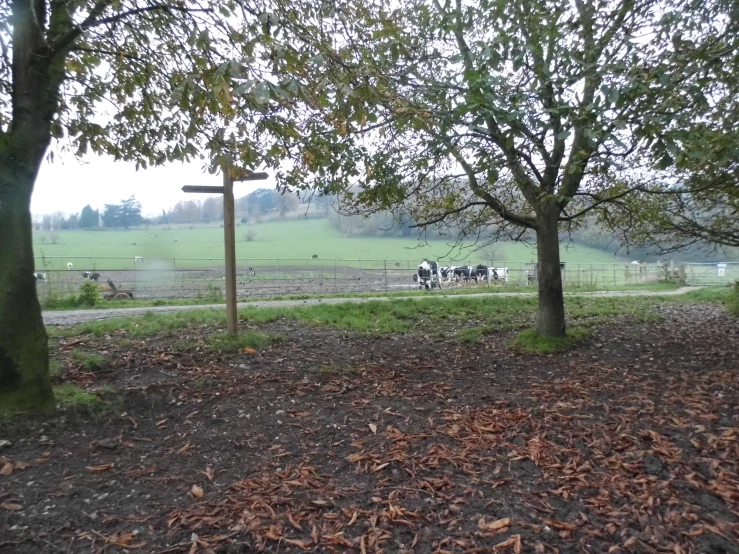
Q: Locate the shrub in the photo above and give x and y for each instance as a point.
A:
(89, 294)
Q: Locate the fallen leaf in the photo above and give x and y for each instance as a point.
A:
(9, 506)
(208, 473)
(6, 470)
(103, 467)
(494, 525)
(373, 428)
(197, 492)
(249, 350)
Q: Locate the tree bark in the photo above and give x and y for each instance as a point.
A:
(24, 351)
(551, 316)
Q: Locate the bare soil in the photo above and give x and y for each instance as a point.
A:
(343, 442)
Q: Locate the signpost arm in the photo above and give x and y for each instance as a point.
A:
(229, 230)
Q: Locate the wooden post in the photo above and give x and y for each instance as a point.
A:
(229, 231)
(229, 235)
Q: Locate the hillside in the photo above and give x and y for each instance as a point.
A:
(275, 240)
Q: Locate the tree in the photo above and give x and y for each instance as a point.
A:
(148, 82)
(286, 202)
(262, 200)
(88, 218)
(131, 212)
(514, 118)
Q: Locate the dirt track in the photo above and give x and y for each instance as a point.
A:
(73, 317)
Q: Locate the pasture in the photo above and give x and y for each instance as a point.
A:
(405, 426)
(285, 241)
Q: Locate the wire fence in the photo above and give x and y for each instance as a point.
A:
(188, 278)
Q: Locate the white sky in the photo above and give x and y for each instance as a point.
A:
(68, 184)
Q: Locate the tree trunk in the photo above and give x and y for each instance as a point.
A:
(551, 317)
(24, 350)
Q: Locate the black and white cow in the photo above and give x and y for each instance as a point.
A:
(39, 277)
(428, 275)
(91, 275)
(461, 273)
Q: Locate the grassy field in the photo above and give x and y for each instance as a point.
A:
(469, 317)
(297, 239)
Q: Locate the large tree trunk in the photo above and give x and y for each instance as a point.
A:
(551, 317)
(24, 351)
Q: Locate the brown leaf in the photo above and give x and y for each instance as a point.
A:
(10, 506)
(249, 350)
(561, 525)
(514, 541)
(373, 428)
(102, 467)
(294, 522)
(494, 525)
(208, 473)
(6, 469)
(197, 491)
(305, 545)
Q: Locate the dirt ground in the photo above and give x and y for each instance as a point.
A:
(340, 442)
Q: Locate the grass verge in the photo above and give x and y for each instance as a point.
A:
(530, 342)
(487, 314)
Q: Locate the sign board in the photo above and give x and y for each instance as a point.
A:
(721, 270)
(229, 176)
(198, 188)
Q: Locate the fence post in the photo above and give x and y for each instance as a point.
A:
(336, 283)
(385, 265)
(279, 288)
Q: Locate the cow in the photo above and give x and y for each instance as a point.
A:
(39, 276)
(460, 273)
(70, 266)
(138, 259)
(479, 273)
(252, 272)
(314, 257)
(428, 275)
(91, 275)
(446, 273)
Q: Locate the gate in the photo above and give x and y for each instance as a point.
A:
(718, 273)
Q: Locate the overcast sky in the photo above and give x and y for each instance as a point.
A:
(68, 184)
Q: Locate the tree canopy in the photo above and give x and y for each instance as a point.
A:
(518, 116)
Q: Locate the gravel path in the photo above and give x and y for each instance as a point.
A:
(73, 317)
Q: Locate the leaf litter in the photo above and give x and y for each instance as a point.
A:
(425, 445)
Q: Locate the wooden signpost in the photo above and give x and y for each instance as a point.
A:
(230, 175)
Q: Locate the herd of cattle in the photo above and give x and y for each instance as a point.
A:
(430, 275)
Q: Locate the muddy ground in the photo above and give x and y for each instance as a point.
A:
(341, 442)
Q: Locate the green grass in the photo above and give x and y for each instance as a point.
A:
(91, 361)
(530, 342)
(100, 403)
(720, 295)
(283, 240)
(55, 368)
(251, 339)
(69, 396)
(482, 315)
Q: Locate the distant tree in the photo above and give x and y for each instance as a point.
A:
(131, 212)
(71, 222)
(126, 214)
(264, 200)
(212, 208)
(286, 203)
(112, 216)
(89, 218)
